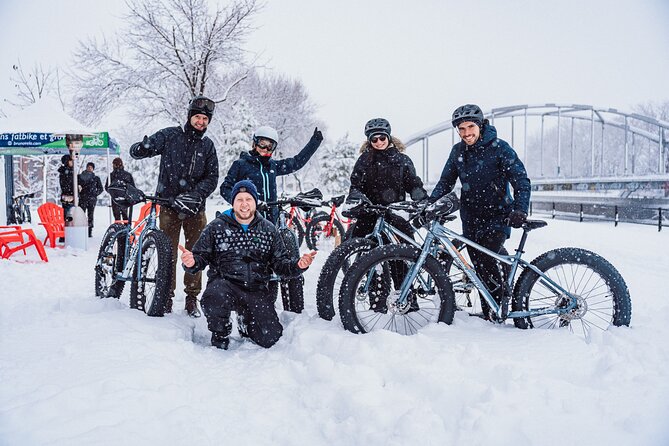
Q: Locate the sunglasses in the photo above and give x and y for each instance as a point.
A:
(374, 139)
(203, 104)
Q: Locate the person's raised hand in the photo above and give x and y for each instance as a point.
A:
(187, 257)
(306, 259)
(318, 135)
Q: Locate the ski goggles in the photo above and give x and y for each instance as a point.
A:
(203, 104)
(265, 144)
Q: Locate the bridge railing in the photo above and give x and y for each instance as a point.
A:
(616, 143)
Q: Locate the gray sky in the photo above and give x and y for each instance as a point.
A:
(411, 62)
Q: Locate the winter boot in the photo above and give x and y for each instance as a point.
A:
(191, 306)
(220, 340)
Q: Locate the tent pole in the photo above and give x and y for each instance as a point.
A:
(44, 185)
(9, 187)
(109, 179)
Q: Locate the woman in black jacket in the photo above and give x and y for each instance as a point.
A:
(385, 175)
(119, 177)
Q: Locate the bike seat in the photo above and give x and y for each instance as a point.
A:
(338, 201)
(534, 224)
(313, 194)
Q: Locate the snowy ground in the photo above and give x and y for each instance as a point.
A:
(77, 370)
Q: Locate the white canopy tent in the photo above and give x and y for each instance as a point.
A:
(39, 129)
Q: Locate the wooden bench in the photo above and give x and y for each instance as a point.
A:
(53, 220)
(12, 240)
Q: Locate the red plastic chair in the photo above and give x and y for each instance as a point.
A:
(53, 220)
(10, 235)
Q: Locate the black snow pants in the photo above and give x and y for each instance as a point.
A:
(256, 309)
(488, 269)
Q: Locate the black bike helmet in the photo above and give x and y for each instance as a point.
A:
(201, 105)
(376, 126)
(467, 112)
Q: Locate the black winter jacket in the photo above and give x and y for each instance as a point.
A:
(386, 176)
(246, 258)
(66, 180)
(188, 161)
(486, 170)
(262, 171)
(119, 177)
(90, 187)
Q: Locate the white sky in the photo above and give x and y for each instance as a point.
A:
(412, 62)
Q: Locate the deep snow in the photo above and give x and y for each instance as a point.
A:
(77, 370)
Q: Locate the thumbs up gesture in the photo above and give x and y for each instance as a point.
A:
(187, 257)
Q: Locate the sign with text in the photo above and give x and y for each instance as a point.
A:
(32, 143)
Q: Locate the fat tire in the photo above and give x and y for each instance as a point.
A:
(621, 310)
(338, 260)
(314, 228)
(388, 253)
(163, 275)
(292, 289)
(114, 239)
(298, 230)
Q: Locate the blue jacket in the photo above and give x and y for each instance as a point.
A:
(262, 171)
(486, 171)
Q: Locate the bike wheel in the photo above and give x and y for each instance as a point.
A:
(110, 262)
(368, 299)
(602, 295)
(292, 289)
(317, 232)
(332, 274)
(298, 230)
(292, 293)
(153, 274)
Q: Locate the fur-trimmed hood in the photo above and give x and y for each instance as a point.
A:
(393, 142)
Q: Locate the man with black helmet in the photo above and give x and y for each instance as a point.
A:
(487, 167)
(258, 166)
(188, 175)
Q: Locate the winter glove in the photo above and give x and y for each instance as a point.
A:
(418, 194)
(317, 136)
(515, 219)
(187, 203)
(262, 207)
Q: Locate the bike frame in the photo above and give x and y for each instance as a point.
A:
(133, 253)
(439, 238)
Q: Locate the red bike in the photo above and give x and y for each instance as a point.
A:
(328, 226)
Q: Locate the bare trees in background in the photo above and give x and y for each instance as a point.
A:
(172, 50)
(168, 52)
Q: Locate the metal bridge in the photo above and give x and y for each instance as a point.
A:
(567, 141)
(573, 154)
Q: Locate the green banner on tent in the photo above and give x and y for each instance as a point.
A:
(49, 144)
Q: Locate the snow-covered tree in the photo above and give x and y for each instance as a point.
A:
(169, 51)
(337, 163)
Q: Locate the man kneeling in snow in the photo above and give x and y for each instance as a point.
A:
(242, 249)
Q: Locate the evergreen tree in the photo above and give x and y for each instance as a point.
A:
(337, 163)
